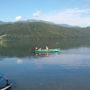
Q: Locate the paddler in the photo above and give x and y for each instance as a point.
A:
(47, 48)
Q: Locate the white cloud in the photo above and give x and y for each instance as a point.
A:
(37, 13)
(76, 10)
(18, 18)
(79, 17)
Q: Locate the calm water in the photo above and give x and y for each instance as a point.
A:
(68, 70)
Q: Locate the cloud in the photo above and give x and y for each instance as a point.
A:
(78, 11)
(18, 18)
(75, 16)
(37, 13)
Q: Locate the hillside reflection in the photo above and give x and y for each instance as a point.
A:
(68, 58)
(22, 48)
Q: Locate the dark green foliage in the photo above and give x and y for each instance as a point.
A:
(37, 30)
(19, 39)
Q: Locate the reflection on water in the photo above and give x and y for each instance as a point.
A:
(19, 61)
(80, 50)
(3, 43)
(68, 70)
(23, 48)
(42, 54)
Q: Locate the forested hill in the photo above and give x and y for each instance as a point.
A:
(40, 30)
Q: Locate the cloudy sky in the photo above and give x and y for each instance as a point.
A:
(72, 12)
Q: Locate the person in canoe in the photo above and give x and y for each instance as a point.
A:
(40, 49)
(37, 48)
(47, 48)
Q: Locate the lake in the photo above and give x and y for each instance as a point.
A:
(67, 70)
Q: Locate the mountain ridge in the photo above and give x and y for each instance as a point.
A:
(34, 20)
(41, 30)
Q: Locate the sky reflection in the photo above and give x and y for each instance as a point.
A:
(69, 70)
(67, 58)
(70, 60)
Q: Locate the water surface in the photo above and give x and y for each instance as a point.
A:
(67, 70)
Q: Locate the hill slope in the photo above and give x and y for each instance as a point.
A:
(32, 30)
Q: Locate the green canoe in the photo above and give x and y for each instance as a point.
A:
(47, 51)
